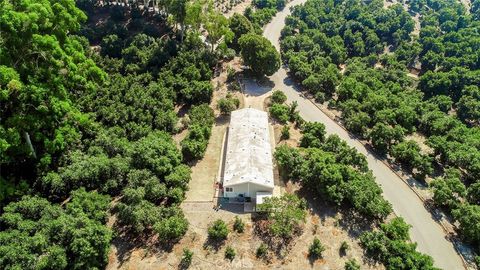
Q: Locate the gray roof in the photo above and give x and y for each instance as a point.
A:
(249, 153)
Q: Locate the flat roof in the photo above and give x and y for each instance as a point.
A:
(248, 151)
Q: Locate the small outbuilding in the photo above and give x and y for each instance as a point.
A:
(248, 168)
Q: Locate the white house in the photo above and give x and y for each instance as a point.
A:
(248, 168)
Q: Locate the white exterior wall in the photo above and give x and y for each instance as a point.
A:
(246, 189)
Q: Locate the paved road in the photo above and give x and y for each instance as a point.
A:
(425, 231)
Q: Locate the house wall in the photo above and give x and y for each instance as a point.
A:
(245, 189)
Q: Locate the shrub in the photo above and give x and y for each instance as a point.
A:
(218, 230)
(186, 258)
(285, 133)
(280, 112)
(262, 251)
(278, 97)
(227, 105)
(316, 248)
(238, 225)
(344, 247)
(320, 97)
(285, 214)
(352, 264)
(230, 253)
(230, 74)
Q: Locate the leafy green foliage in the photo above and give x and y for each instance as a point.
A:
(352, 264)
(228, 104)
(259, 54)
(280, 112)
(238, 225)
(37, 234)
(285, 215)
(262, 251)
(186, 258)
(218, 231)
(230, 253)
(316, 248)
(334, 170)
(239, 25)
(391, 246)
(278, 97)
(469, 218)
(285, 134)
(195, 143)
(448, 191)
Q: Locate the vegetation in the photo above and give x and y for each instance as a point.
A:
(285, 215)
(344, 247)
(262, 251)
(334, 170)
(352, 264)
(230, 253)
(278, 97)
(259, 54)
(316, 248)
(379, 101)
(218, 231)
(228, 104)
(80, 125)
(285, 135)
(186, 258)
(238, 225)
(390, 245)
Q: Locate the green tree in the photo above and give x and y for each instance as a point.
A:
(448, 191)
(285, 213)
(313, 134)
(468, 216)
(258, 53)
(239, 25)
(316, 248)
(230, 253)
(278, 97)
(352, 264)
(218, 231)
(238, 225)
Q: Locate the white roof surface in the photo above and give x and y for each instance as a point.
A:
(249, 153)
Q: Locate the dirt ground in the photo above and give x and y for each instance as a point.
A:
(323, 221)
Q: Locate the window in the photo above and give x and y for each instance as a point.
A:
(228, 189)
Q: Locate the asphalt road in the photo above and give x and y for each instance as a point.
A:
(428, 234)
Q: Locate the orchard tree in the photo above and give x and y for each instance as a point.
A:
(239, 25)
(286, 214)
(258, 53)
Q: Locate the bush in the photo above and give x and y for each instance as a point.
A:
(278, 97)
(262, 251)
(227, 105)
(230, 74)
(352, 264)
(230, 253)
(316, 249)
(280, 112)
(218, 231)
(285, 133)
(320, 97)
(238, 225)
(186, 258)
(285, 215)
(344, 247)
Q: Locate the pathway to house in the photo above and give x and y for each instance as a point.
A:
(429, 235)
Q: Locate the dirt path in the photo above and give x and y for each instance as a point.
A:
(426, 231)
